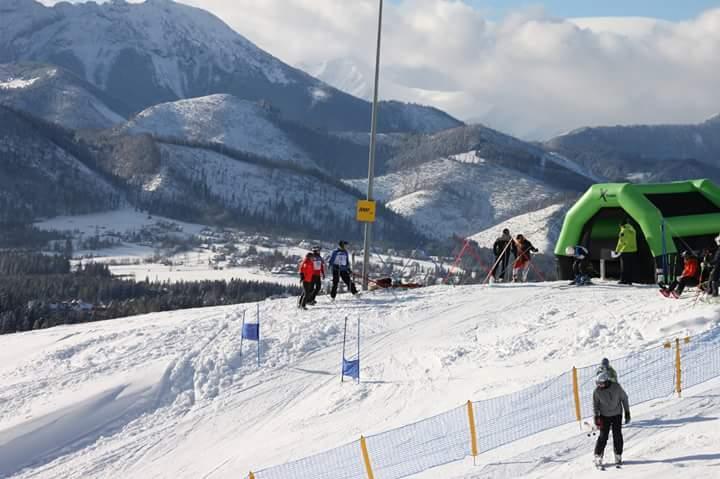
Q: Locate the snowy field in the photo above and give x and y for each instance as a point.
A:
(168, 394)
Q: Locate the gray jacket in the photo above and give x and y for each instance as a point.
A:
(610, 401)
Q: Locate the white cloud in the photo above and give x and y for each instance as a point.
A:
(528, 74)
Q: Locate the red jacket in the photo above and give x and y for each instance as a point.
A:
(691, 269)
(306, 270)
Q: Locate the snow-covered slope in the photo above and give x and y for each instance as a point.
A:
(261, 190)
(169, 395)
(461, 194)
(239, 124)
(55, 95)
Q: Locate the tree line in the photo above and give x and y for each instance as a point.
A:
(40, 291)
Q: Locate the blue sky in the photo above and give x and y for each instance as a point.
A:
(666, 9)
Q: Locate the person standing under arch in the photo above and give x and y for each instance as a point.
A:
(627, 249)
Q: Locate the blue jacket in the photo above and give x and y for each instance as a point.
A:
(340, 260)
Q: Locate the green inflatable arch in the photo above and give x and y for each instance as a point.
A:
(668, 217)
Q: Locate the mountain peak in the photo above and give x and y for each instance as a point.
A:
(713, 120)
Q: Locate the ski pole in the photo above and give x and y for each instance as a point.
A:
(497, 262)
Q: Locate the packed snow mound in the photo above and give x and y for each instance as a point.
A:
(139, 397)
(541, 227)
(461, 194)
(240, 124)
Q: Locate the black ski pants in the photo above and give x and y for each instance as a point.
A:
(627, 265)
(714, 280)
(317, 286)
(679, 284)
(501, 266)
(307, 294)
(345, 275)
(614, 423)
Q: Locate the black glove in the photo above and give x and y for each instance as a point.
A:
(627, 418)
(598, 422)
(301, 278)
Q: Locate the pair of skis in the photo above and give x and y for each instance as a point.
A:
(591, 431)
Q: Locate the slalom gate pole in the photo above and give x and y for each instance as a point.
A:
(497, 262)
(537, 271)
(358, 352)
(258, 341)
(342, 363)
(457, 261)
(242, 336)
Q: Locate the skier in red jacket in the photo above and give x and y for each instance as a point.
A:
(307, 270)
(691, 271)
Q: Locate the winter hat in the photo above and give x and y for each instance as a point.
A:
(506, 231)
(342, 243)
(605, 362)
(309, 255)
(315, 249)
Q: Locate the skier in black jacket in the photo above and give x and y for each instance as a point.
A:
(502, 254)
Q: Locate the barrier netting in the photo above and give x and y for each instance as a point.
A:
(484, 425)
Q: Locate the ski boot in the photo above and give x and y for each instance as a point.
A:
(598, 462)
(618, 460)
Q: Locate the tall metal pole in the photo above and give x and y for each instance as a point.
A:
(371, 161)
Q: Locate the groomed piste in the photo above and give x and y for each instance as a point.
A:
(169, 395)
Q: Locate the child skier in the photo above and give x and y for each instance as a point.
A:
(581, 266)
(609, 402)
(318, 274)
(340, 264)
(521, 266)
(691, 271)
(306, 277)
(607, 369)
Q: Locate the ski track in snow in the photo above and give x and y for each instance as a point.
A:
(169, 394)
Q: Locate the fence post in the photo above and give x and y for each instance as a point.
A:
(366, 458)
(251, 475)
(576, 395)
(473, 433)
(678, 368)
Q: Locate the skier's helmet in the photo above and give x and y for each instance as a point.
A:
(685, 254)
(605, 363)
(602, 379)
(309, 255)
(506, 231)
(316, 249)
(342, 243)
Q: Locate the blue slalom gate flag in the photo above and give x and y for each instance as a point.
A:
(251, 331)
(351, 368)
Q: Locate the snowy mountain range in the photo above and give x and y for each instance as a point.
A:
(159, 51)
(646, 152)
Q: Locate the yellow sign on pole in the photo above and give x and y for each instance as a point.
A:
(366, 211)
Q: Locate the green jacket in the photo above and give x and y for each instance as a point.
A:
(612, 375)
(627, 240)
